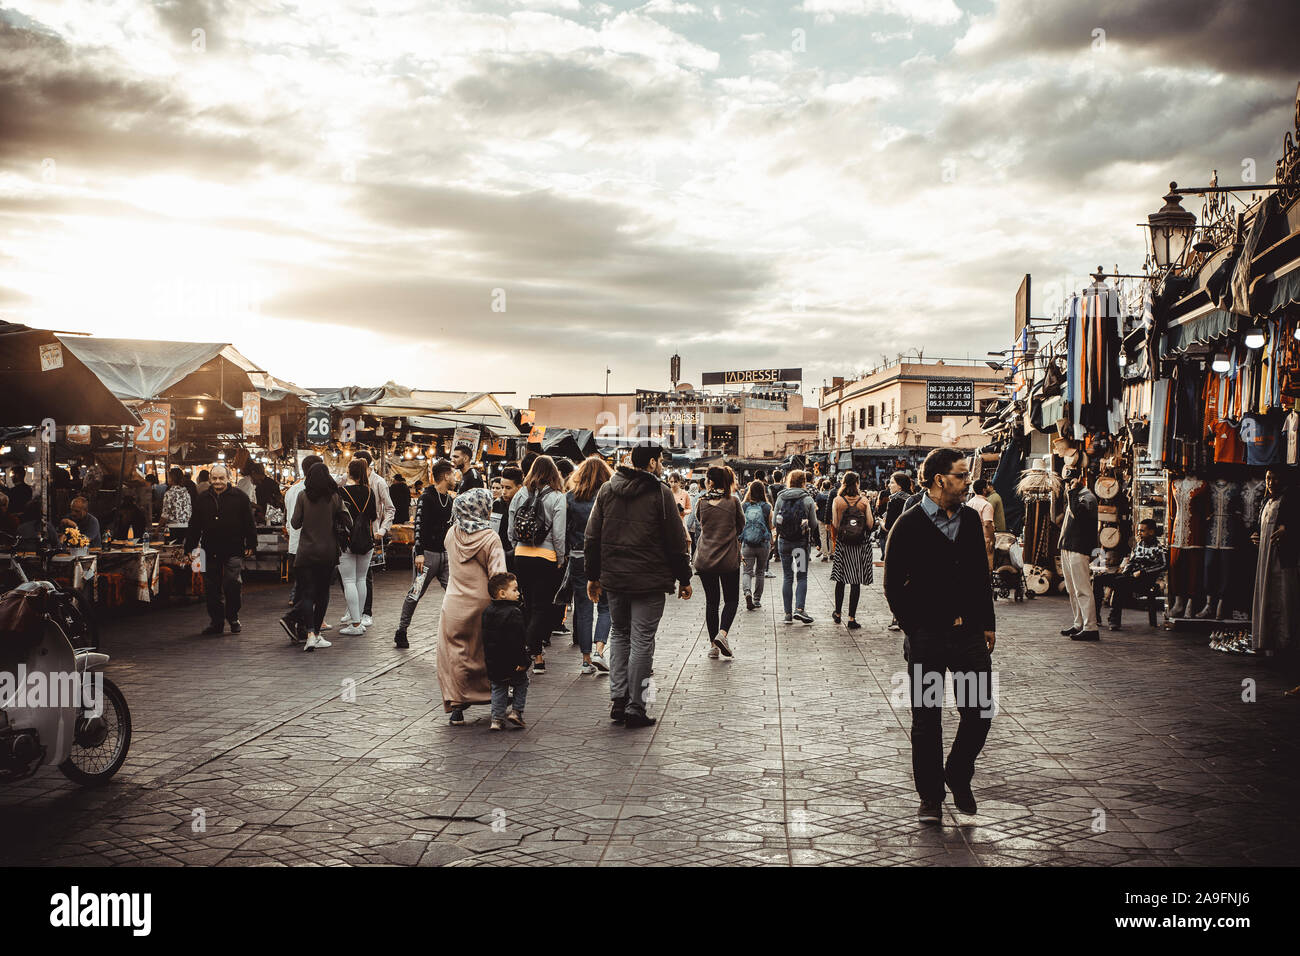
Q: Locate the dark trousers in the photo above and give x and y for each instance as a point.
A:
(370, 591)
(855, 592)
(929, 654)
(539, 579)
(724, 586)
(223, 579)
(312, 596)
(1122, 586)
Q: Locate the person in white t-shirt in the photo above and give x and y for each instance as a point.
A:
(980, 502)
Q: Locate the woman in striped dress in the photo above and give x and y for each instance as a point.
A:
(851, 560)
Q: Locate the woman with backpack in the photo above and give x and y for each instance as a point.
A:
(717, 559)
(796, 528)
(317, 510)
(852, 561)
(755, 543)
(538, 526)
(359, 501)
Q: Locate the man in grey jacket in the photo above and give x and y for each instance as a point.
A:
(794, 517)
(636, 548)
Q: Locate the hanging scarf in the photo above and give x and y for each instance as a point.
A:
(472, 510)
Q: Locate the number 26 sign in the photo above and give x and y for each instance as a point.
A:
(155, 428)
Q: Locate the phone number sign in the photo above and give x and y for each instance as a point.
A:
(950, 396)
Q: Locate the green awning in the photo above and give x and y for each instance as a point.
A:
(1201, 330)
(1286, 291)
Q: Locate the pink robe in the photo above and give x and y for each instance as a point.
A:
(462, 671)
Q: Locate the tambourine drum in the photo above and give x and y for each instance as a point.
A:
(1106, 487)
(1109, 536)
(1038, 579)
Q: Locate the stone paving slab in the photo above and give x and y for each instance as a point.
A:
(795, 753)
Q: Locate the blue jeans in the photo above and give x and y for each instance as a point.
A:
(501, 694)
(794, 562)
(582, 622)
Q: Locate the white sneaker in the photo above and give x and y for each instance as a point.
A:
(321, 642)
(367, 620)
(713, 653)
(352, 630)
(311, 643)
(345, 620)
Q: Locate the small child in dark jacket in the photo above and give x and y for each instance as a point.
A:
(505, 648)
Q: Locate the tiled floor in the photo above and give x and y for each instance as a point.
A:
(1136, 750)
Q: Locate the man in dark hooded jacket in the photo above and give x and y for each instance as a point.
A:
(636, 548)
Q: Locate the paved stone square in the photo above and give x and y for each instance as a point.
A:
(1135, 750)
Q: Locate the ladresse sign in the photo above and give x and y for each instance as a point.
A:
(753, 376)
(950, 396)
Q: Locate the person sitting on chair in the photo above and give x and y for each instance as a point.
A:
(1136, 574)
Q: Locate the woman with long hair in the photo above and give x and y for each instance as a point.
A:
(474, 554)
(314, 513)
(539, 528)
(581, 498)
(359, 501)
(717, 559)
(852, 558)
(755, 543)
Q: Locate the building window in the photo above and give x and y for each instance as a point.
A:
(862, 418)
(893, 408)
(871, 415)
(882, 413)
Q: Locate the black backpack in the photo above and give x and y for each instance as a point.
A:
(531, 526)
(852, 528)
(790, 515)
(360, 540)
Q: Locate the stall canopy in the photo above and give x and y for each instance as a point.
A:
(425, 410)
(574, 443)
(143, 370)
(71, 394)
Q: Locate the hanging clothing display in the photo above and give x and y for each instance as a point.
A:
(1259, 433)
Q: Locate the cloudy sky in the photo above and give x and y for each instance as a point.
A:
(518, 194)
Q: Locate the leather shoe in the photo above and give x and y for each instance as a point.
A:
(930, 811)
(962, 797)
(617, 713)
(234, 627)
(1070, 632)
(1086, 636)
(633, 721)
(211, 629)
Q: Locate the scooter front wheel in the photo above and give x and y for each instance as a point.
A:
(101, 743)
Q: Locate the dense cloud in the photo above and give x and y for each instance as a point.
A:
(681, 177)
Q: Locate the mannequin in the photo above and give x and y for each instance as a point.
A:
(1224, 535)
(1275, 614)
(1189, 517)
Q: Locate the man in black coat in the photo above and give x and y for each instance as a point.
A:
(937, 585)
(222, 525)
(636, 549)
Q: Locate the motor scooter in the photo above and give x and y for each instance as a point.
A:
(56, 705)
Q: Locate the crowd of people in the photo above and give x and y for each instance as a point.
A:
(546, 547)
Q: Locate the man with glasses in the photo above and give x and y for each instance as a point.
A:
(937, 585)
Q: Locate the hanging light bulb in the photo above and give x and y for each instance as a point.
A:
(1221, 363)
(221, 456)
(1255, 337)
(199, 408)
(1297, 331)
(1123, 359)
(239, 413)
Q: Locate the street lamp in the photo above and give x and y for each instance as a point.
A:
(1172, 228)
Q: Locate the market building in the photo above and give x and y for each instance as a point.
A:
(755, 414)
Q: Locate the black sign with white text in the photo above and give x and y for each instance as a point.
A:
(950, 396)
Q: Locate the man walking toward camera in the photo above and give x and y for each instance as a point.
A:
(636, 549)
(222, 526)
(937, 585)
